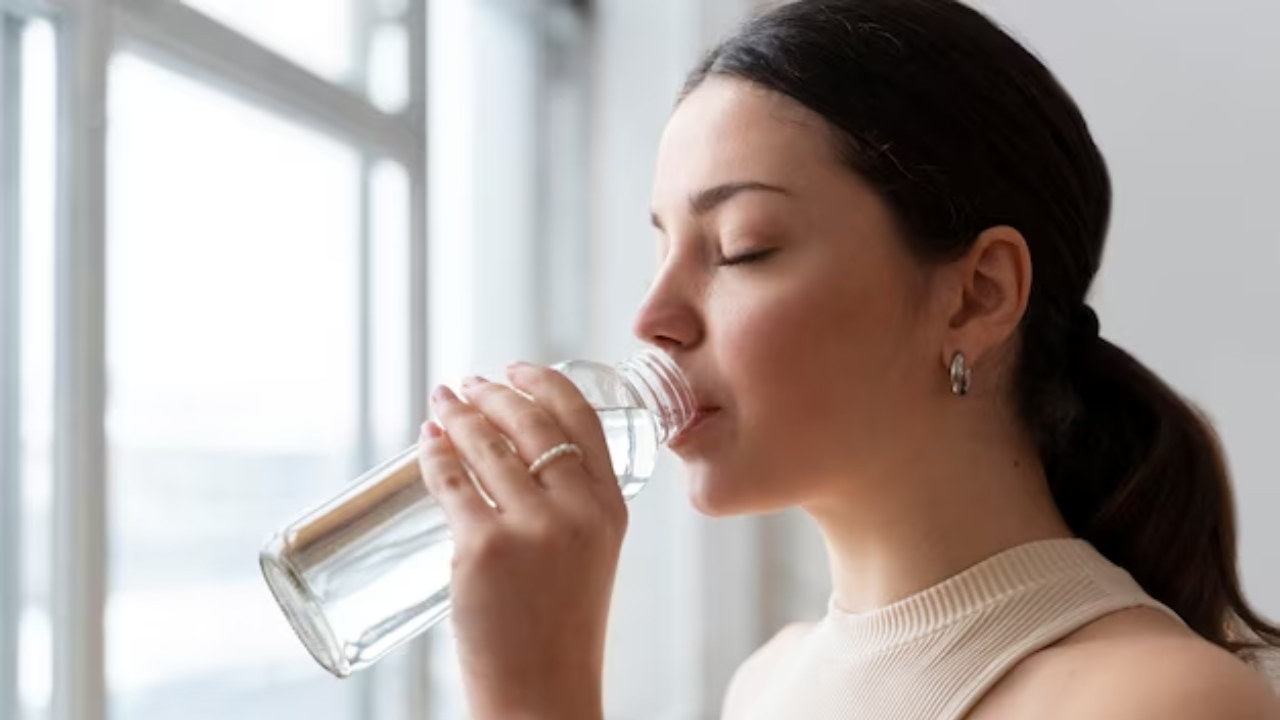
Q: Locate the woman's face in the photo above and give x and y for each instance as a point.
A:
(787, 295)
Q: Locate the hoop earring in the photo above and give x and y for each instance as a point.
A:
(961, 376)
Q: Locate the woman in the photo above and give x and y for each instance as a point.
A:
(877, 223)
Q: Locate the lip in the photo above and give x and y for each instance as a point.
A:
(699, 421)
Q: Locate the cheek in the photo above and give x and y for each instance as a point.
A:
(813, 366)
(808, 339)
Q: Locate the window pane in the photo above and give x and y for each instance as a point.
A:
(233, 371)
(316, 34)
(393, 429)
(37, 188)
(389, 67)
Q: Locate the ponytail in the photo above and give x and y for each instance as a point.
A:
(1141, 475)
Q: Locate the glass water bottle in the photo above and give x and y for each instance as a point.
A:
(370, 569)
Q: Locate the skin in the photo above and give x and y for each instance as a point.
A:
(818, 347)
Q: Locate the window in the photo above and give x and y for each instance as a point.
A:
(261, 339)
(232, 358)
(256, 331)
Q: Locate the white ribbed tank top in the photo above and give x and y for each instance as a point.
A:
(933, 656)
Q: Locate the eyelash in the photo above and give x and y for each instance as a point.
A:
(746, 258)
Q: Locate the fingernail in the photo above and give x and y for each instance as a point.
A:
(473, 381)
(517, 366)
(444, 395)
(432, 430)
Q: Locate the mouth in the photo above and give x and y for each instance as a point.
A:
(700, 418)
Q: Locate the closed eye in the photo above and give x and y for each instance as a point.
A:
(747, 258)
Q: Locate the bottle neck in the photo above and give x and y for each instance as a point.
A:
(662, 389)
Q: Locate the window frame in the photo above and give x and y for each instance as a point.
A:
(11, 25)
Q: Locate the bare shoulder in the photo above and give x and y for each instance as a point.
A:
(751, 675)
(1133, 665)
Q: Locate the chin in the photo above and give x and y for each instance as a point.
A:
(718, 495)
(708, 506)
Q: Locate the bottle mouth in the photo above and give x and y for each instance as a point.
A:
(656, 375)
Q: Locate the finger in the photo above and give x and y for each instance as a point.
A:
(447, 480)
(564, 402)
(533, 430)
(489, 455)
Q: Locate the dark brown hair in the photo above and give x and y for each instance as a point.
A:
(960, 129)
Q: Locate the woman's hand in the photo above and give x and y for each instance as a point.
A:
(532, 578)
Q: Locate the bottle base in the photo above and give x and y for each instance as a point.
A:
(299, 605)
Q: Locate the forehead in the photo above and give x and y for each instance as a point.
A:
(730, 130)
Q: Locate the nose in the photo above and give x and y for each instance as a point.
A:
(670, 317)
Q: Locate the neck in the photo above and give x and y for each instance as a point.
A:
(911, 526)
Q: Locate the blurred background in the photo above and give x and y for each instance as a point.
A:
(240, 239)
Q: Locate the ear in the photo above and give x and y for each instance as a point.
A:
(990, 290)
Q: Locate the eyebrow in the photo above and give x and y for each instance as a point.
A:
(704, 201)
